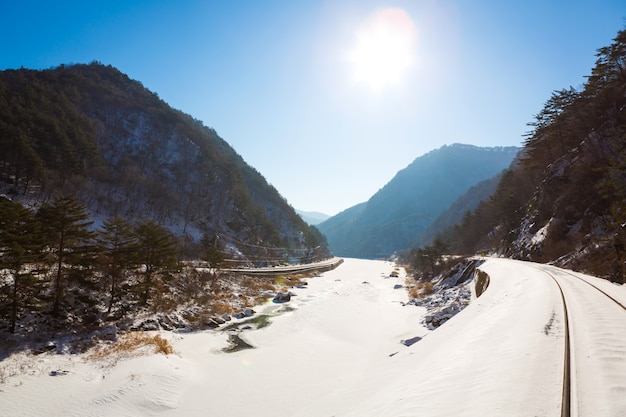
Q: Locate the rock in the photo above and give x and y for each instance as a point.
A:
(409, 342)
(171, 322)
(282, 297)
(397, 286)
(108, 333)
(49, 347)
(239, 315)
(58, 373)
(236, 344)
(226, 317)
(248, 312)
(166, 326)
(212, 323)
(149, 325)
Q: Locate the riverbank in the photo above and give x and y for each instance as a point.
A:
(318, 344)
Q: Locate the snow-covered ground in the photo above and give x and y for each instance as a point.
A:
(336, 350)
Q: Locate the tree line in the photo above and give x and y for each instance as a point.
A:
(571, 179)
(53, 262)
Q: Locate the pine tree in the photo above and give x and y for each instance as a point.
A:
(157, 254)
(118, 246)
(429, 256)
(21, 246)
(66, 229)
(212, 251)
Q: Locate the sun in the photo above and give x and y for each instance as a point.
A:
(384, 51)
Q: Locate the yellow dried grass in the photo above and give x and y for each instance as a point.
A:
(133, 343)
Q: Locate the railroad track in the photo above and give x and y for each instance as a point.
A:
(595, 348)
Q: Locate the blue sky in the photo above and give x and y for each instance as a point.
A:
(291, 86)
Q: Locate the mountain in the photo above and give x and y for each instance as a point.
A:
(454, 214)
(565, 202)
(399, 212)
(341, 226)
(90, 131)
(312, 217)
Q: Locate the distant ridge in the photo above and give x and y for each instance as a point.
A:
(394, 217)
(312, 217)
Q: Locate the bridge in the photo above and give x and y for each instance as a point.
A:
(325, 265)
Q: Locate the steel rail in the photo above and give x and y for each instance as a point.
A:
(566, 408)
(594, 286)
(566, 398)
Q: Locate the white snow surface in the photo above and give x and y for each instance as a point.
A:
(336, 351)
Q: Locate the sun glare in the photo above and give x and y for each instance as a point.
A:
(384, 50)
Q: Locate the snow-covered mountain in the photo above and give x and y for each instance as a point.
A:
(90, 131)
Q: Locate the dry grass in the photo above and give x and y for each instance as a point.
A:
(421, 289)
(258, 284)
(255, 301)
(219, 307)
(133, 343)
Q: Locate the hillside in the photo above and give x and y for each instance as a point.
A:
(90, 131)
(564, 203)
(399, 212)
(454, 214)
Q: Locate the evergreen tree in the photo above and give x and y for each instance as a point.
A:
(429, 256)
(66, 229)
(118, 252)
(212, 251)
(157, 253)
(21, 247)
(613, 189)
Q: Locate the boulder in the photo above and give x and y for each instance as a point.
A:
(211, 323)
(282, 297)
(108, 333)
(149, 325)
(411, 341)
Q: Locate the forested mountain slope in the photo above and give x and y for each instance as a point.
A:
(454, 214)
(566, 201)
(90, 131)
(398, 213)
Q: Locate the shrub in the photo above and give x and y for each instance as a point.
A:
(421, 289)
(133, 343)
(221, 307)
